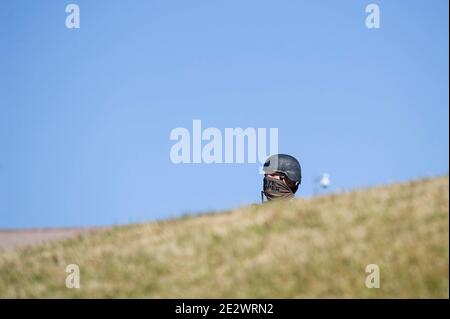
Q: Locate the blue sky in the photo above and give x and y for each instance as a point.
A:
(85, 114)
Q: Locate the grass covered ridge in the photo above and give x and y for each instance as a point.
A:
(317, 247)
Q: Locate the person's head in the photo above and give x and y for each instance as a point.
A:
(282, 176)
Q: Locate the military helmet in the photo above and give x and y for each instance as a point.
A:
(285, 164)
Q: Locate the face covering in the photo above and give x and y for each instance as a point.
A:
(276, 189)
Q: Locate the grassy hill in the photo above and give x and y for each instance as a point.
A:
(317, 247)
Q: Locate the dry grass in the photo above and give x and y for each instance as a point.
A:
(305, 248)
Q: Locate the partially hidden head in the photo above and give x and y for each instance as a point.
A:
(282, 176)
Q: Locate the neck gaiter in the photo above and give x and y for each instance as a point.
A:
(276, 189)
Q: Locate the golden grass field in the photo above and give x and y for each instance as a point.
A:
(307, 248)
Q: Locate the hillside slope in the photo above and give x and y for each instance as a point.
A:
(306, 248)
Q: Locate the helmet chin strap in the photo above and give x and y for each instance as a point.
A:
(295, 188)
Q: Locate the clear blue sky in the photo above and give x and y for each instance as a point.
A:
(86, 114)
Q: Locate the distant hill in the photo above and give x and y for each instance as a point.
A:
(14, 238)
(317, 247)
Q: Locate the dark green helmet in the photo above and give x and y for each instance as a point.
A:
(286, 164)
